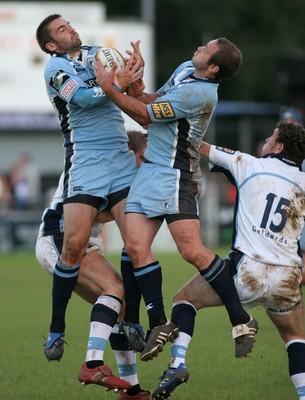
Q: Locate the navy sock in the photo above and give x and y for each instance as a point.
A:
(183, 316)
(149, 279)
(132, 290)
(94, 364)
(218, 276)
(134, 390)
(119, 341)
(296, 357)
(64, 280)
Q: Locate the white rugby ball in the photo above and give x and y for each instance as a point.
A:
(108, 55)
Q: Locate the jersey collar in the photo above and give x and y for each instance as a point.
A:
(284, 158)
(204, 79)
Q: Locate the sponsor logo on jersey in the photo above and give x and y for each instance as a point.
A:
(163, 110)
(91, 82)
(78, 68)
(58, 79)
(98, 92)
(225, 150)
(78, 188)
(67, 90)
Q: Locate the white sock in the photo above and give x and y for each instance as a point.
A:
(100, 331)
(299, 382)
(126, 361)
(178, 349)
(127, 365)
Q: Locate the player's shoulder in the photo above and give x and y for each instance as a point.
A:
(90, 49)
(56, 60)
(234, 157)
(223, 150)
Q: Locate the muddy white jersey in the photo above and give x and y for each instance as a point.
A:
(270, 205)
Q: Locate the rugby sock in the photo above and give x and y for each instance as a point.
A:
(132, 291)
(104, 315)
(183, 316)
(149, 279)
(218, 276)
(125, 358)
(296, 365)
(64, 280)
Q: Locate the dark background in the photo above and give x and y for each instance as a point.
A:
(271, 35)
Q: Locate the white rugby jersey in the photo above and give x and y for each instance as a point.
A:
(270, 205)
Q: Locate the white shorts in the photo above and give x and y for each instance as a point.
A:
(48, 249)
(276, 288)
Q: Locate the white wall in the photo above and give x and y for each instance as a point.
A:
(22, 65)
(21, 69)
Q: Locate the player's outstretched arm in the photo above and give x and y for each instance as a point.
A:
(131, 106)
(205, 150)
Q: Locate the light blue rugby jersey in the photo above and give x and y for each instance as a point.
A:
(99, 127)
(180, 118)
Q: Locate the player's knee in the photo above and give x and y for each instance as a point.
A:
(116, 287)
(133, 249)
(189, 255)
(178, 296)
(74, 250)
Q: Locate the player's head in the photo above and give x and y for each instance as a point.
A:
(137, 142)
(287, 139)
(219, 59)
(55, 35)
(229, 59)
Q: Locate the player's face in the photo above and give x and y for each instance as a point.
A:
(271, 145)
(203, 54)
(64, 37)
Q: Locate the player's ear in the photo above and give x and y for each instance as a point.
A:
(50, 46)
(213, 68)
(279, 148)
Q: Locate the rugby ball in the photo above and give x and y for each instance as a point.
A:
(108, 55)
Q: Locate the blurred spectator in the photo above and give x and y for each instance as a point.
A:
(5, 193)
(290, 114)
(25, 181)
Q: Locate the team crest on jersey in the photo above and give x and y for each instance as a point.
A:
(225, 150)
(78, 68)
(163, 110)
(58, 79)
(67, 90)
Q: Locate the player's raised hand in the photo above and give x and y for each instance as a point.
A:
(131, 73)
(120, 78)
(136, 89)
(104, 78)
(136, 53)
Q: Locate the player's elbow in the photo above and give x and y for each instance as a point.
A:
(144, 120)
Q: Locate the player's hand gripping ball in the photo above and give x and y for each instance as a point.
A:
(108, 55)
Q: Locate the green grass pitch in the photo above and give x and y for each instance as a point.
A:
(25, 374)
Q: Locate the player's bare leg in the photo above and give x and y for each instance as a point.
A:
(291, 329)
(213, 269)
